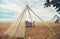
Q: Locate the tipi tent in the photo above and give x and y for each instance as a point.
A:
(18, 27)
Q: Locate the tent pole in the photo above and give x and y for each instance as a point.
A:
(16, 22)
(42, 20)
(20, 20)
(39, 17)
(30, 15)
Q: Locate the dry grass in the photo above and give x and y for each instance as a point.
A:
(40, 31)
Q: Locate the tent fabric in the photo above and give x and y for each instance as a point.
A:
(19, 33)
(18, 27)
(21, 30)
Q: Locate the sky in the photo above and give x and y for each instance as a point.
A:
(10, 10)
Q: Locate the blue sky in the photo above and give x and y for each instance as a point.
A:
(10, 9)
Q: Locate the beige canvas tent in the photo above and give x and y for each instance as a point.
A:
(17, 29)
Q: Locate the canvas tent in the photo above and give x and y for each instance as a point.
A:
(17, 29)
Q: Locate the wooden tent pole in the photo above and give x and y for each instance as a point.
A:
(20, 20)
(16, 22)
(30, 15)
(39, 17)
(21, 15)
(42, 20)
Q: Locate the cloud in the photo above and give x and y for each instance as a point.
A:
(11, 6)
(3, 1)
(7, 13)
(7, 16)
(7, 20)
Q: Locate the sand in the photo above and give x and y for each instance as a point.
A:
(40, 31)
